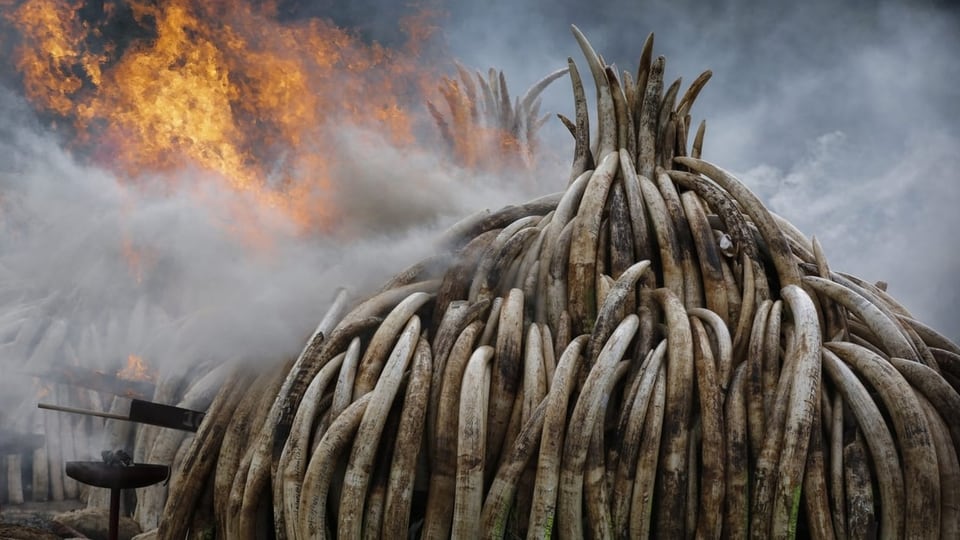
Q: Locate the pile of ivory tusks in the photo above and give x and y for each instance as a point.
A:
(649, 353)
(482, 127)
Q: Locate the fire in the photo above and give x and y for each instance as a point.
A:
(137, 259)
(224, 87)
(43, 390)
(137, 370)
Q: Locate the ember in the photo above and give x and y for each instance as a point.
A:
(137, 370)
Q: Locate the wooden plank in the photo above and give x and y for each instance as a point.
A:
(98, 381)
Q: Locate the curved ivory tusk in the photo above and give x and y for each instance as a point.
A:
(949, 470)
(606, 115)
(758, 411)
(595, 479)
(581, 274)
(485, 220)
(497, 501)
(692, 281)
(804, 395)
(697, 149)
(383, 340)
(407, 446)
(582, 157)
(736, 515)
(322, 466)
(880, 442)
(267, 445)
(538, 87)
(289, 483)
(708, 255)
(724, 344)
(670, 263)
(641, 504)
(626, 135)
(343, 392)
(439, 514)
(713, 457)
(183, 495)
(672, 476)
(544, 501)
(584, 416)
(471, 442)
(452, 323)
(886, 330)
(359, 467)
(649, 115)
(686, 102)
(609, 314)
(774, 237)
(921, 475)
(666, 126)
(643, 73)
(627, 445)
(642, 243)
(932, 385)
(771, 353)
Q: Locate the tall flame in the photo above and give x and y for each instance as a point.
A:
(221, 86)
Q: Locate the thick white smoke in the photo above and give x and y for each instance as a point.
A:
(200, 290)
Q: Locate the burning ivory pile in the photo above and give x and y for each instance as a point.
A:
(649, 352)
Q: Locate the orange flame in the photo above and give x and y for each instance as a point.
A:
(223, 87)
(137, 370)
(43, 390)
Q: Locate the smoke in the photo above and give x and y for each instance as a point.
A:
(93, 269)
(841, 116)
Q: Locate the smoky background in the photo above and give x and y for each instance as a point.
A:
(842, 118)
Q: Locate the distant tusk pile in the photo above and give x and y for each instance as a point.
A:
(649, 353)
(482, 126)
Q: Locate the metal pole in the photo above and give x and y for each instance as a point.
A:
(114, 514)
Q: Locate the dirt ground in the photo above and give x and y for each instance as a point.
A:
(32, 520)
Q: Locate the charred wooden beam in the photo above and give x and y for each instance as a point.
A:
(97, 380)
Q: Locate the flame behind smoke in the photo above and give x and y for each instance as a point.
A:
(43, 390)
(137, 370)
(220, 86)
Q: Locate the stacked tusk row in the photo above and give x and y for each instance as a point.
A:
(649, 353)
(482, 126)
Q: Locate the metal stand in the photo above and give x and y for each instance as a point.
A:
(114, 514)
(116, 478)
